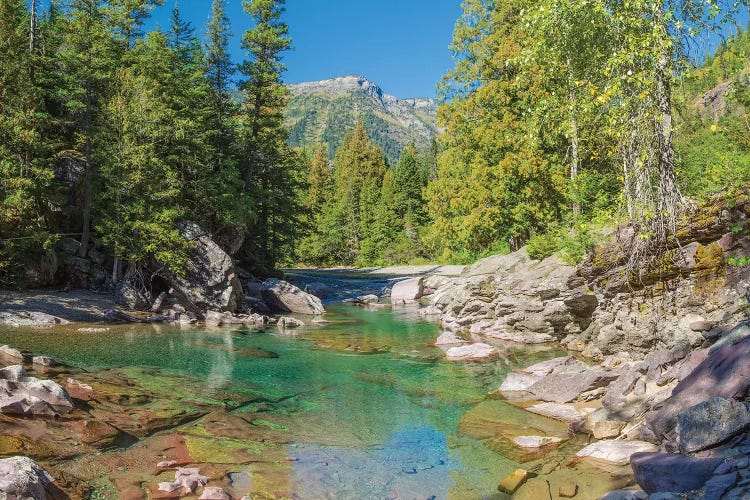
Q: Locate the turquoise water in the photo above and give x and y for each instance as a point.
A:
(374, 408)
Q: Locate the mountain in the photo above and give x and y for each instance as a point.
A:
(322, 112)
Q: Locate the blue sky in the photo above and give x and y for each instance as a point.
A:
(400, 44)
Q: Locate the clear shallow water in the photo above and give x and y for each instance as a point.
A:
(369, 409)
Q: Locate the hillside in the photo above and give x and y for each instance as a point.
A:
(322, 112)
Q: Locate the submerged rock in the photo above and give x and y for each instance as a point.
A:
(283, 297)
(513, 481)
(536, 441)
(24, 395)
(516, 382)
(558, 411)
(472, 352)
(22, 478)
(615, 451)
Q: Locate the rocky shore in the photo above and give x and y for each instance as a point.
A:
(658, 373)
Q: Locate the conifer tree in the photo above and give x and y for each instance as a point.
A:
(27, 144)
(270, 169)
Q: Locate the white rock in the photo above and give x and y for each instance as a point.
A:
(44, 361)
(214, 493)
(476, 351)
(547, 367)
(558, 411)
(21, 477)
(536, 441)
(449, 338)
(615, 451)
(288, 322)
(9, 352)
(407, 291)
(518, 382)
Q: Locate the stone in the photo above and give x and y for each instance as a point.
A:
(547, 367)
(471, 352)
(209, 280)
(8, 352)
(625, 495)
(567, 490)
(287, 322)
(22, 478)
(710, 423)
(664, 472)
(449, 338)
(169, 487)
(320, 290)
(615, 451)
(32, 319)
(737, 334)
(407, 291)
(44, 361)
(715, 487)
(725, 373)
(568, 387)
(14, 373)
(518, 382)
(167, 464)
(214, 493)
(430, 311)
(365, 299)
(131, 291)
(24, 395)
(536, 441)
(563, 412)
(582, 305)
(283, 297)
(513, 481)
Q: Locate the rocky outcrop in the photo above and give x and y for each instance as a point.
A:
(209, 280)
(283, 297)
(407, 291)
(21, 478)
(21, 394)
(682, 299)
(31, 319)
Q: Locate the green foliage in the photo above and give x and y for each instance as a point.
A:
(572, 244)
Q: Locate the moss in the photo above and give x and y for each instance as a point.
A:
(709, 257)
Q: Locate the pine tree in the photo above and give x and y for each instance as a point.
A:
(360, 167)
(409, 183)
(270, 169)
(27, 143)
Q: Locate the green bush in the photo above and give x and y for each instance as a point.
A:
(571, 243)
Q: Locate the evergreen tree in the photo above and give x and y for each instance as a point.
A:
(270, 169)
(27, 144)
(409, 181)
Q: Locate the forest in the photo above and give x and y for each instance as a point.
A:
(560, 118)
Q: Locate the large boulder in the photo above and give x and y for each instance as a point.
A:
(24, 395)
(21, 477)
(209, 280)
(615, 451)
(283, 297)
(407, 291)
(131, 292)
(710, 423)
(725, 374)
(664, 472)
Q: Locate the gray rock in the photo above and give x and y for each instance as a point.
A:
(582, 305)
(283, 297)
(625, 495)
(131, 291)
(320, 290)
(209, 280)
(31, 319)
(287, 322)
(471, 352)
(8, 352)
(715, 487)
(44, 361)
(21, 394)
(709, 423)
(518, 382)
(546, 367)
(725, 373)
(449, 338)
(663, 472)
(737, 334)
(22, 478)
(407, 291)
(615, 451)
(568, 387)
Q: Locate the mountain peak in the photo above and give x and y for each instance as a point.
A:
(322, 111)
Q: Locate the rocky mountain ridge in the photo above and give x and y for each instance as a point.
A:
(322, 111)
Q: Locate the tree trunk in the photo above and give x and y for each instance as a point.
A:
(574, 154)
(669, 197)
